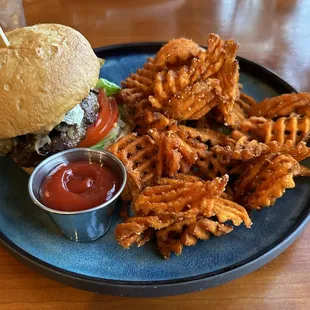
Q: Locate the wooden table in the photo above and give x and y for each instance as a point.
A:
(274, 33)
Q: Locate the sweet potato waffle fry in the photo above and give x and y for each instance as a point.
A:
(211, 166)
(133, 230)
(225, 210)
(239, 112)
(299, 152)
(292, 128)
(204, 153)
(147, 119)
(193, 101)
(228, 75)
(169, 82)
(177, 150)
(304, 171)
(244, 149)
(177, 52)
(283, 105)
(139, 156)
(177, 155)
(265, 179)
(246, 102)
(208, 136)
(187, 232)
(139, 85)
(186, 226)
(237, 115)
(173, 195)
(208, 62)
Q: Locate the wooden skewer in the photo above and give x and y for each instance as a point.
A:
(4, 42)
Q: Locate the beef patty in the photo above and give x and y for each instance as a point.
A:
(26, 151)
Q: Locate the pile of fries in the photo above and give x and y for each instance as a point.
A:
(187, 180)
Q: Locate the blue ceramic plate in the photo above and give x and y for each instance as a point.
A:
(103, 266)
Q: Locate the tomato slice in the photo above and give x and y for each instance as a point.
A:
(107, 117)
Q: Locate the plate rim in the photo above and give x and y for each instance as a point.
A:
(159, 287)
(151, 289)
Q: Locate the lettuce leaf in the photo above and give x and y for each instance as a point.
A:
(121, 129)
(109, 87)
(108, 140)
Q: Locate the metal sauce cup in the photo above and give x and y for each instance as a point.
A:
(86, 225)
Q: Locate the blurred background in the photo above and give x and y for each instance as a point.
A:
(274, 33)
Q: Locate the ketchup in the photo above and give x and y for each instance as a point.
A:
(78, 186)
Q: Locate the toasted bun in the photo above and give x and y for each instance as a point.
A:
(47, 71)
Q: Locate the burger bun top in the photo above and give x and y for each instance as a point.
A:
(46, 71)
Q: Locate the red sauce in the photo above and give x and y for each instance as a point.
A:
(78, 186)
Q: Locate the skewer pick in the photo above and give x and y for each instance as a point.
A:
(4, 42)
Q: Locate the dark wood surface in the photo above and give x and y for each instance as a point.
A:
(274, 33)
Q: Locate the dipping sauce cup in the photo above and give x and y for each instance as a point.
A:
(86, 225)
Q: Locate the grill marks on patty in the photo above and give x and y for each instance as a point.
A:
(62, 137)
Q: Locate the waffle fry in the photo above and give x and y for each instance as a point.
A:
(178, 175)
(304, 171)
(193, 101)
(215, 188)
(265, 179)
(172, 195)
(243, 150)
(170, 156)
(186, 227)
(177, 151)
(228, 75)
(139, 85)
(187, 177)
(249, 126)
(225, 210)
(141, 106)
(176, 52)
(169, 83)
(246, 149)
(228, 194)
(246, 102)
(147, 119)
(293, 128)
(299, 152)
(283, 105)
(210, 61)
(239, 112)
(187, 232)
(212, 165)
(139, 156)
(208, 136)
(237, 116)
(134, 229)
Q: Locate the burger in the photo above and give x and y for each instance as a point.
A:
(51, 99)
